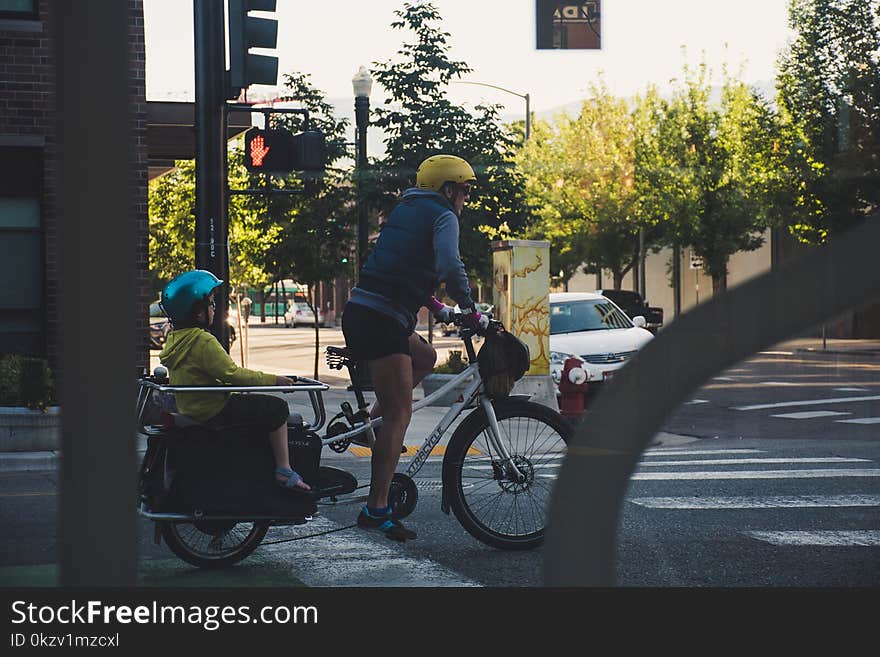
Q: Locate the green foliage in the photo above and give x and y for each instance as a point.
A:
(454, 364)
(579, 175)
(419, 121)
(828, 86)
(26, 382)
(708, 173)
(172, 226)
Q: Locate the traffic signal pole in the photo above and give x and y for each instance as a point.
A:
(212, 241)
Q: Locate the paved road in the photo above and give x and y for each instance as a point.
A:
(773, 480)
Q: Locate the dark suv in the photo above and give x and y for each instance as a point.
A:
(633, 305)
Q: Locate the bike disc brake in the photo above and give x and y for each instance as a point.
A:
(402, 496)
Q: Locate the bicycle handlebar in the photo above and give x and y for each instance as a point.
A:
(494, 325)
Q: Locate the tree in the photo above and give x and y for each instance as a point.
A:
(315, 236)
(172, 227)
(828, 85)
(419, 121)
(580, 177)
(724, 160)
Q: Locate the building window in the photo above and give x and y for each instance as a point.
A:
(22, 260)
(23, 9)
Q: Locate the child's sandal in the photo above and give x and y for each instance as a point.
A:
(293, 478)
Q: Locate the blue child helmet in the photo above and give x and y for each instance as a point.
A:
(185, 290)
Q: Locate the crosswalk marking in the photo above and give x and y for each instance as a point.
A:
(809, 415)
(868, 538)
(353, 558)
(812, 402)
(771, 502)
(828, 459)
(861, 420)
(759, 474)
(687, 452)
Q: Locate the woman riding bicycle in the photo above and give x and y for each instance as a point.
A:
(417, 249)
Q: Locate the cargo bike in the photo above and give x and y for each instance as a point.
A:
(212, 499)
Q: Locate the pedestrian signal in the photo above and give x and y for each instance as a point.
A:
(268, 150)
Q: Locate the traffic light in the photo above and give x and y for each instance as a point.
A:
(308, 151)
(277, 151)
(247, 32)
(268, 150)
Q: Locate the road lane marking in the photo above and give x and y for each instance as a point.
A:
(809, 415)
(813, 402)
(758, 474)
(867, 538)
(851, 389)
(861, 420)
(772, 502)
(668, 451)
(777, 383)
(829, 459)
(747, 474)
(697, 401)
(353, 557)
(37, 494)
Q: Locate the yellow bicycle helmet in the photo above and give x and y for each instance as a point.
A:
(439, 169)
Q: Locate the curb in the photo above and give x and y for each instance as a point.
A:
(812, 351)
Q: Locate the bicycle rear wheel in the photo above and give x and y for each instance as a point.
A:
(213, 544)
(494, 505)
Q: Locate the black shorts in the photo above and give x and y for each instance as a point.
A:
(370, 334)
(261, 413)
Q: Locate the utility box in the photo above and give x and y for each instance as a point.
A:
(521, 294)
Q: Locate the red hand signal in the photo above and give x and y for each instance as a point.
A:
(258, 150)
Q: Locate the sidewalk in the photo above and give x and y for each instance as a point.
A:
(832, 347)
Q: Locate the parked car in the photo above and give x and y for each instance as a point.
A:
(299, 313)
(452, 329)
(160, 327)
(634, 305)
(594, 329)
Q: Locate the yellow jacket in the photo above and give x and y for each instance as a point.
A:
(194, 357)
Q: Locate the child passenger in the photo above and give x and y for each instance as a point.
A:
(194, 357)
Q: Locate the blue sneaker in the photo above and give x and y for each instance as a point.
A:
(393, 529)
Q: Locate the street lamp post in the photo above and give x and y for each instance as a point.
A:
(361, 83)
(523, 96)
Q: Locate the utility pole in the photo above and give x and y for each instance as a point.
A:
(212, 241)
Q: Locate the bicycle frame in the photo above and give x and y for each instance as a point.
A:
(471, 392)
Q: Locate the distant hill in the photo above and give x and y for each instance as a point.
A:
(767, 88)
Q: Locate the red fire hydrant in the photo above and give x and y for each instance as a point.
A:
(573, 389)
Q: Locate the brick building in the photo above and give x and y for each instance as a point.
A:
(29, 316)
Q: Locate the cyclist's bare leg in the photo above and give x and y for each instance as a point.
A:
(392, 381)
(423, 358)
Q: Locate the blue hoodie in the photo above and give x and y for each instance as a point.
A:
(416, 250)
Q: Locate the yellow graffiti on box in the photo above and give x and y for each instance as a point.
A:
(521, 287)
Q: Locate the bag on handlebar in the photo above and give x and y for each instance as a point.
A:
(503, 360)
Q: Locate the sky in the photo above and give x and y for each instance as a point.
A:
(642, 43)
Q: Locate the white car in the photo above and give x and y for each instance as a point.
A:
(592, 328)
(299, 313)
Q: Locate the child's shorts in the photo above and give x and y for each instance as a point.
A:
(263, 413)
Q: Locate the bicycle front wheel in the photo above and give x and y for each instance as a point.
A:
(500, 505)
